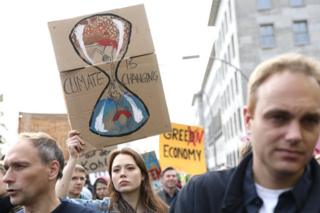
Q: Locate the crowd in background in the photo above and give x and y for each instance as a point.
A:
(278, 172)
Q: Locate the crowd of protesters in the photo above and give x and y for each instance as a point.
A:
(277, 172)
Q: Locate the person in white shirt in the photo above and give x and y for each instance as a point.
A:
(280, 173)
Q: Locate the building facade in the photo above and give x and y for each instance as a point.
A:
(249, 32)
(56, 125)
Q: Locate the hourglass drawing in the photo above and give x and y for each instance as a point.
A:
(104, 39)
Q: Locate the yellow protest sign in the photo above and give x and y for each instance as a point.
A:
(183, 149)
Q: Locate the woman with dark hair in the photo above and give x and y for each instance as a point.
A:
(100, 188)
(130, 188)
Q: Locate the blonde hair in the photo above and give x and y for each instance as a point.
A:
(79, 168)
(292, 62)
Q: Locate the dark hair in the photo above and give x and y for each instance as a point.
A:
(98, 180)
(148, 199)
(169, 168)
(48, 148)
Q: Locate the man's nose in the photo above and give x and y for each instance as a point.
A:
(294, 133)
(8, 177)
(79, 181)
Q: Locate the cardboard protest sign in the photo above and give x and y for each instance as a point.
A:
(153, 167)
(95, 160)
(183, 149)
(110, 76)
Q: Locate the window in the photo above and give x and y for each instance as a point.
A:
(232, 89)
(223, 31)
(224, 64)
(296, 3)
(263, 4)
(230, 11)
(232, 47)
(267, 39)
(231, 127)
(239, 119)
(236, 81)
(226, 20)
(300, 32)
(219, 42)
(228, 54)
(228, 130)
(222, 71)
(235, 122)
(228, 95)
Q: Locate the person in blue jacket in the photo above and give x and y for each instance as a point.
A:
(33, 166)
(280, 174)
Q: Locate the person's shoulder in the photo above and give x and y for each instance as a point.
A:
(67, 206)
(160, 192)
(98, 205)
(213, 178)
(5, 204)
(202, 185)
(202, 193)
(85, 193)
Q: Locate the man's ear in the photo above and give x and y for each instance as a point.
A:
(53, 170)
(247, 117)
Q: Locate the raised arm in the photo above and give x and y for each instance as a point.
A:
(75, 147)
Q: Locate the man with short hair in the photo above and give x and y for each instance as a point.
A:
(169, 180)
(78, 180)
(280, 174)
(33, 166)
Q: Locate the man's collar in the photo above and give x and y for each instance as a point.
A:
(174, 193)
(234, 190)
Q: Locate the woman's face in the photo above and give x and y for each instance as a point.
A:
(126, 175)
(101, 190)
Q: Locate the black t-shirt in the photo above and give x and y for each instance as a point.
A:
(5, 205)
(69, 207)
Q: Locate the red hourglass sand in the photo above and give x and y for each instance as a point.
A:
(104, 39)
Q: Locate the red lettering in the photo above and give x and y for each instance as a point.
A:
(195, 136)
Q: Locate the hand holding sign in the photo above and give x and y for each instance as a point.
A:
(75, 144)
(110, 76)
